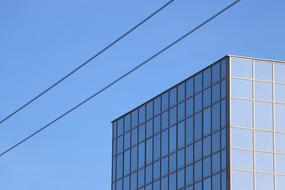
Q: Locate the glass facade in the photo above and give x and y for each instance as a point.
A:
(257, 124)
(223, 128)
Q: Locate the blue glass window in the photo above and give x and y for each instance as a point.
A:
(242, 88)
(180, 179)
(189, 88)
(164, 183)
(172, 162)
(189, 154)
(181, 92)
(148, 174)
(198, 171)
(172, 140)
(181, 134)
(216, 112)
(198, 150)
(127, 183)
(241, 118)
(156, 124)
(127, 162)
(207, 75)
(134, 160)
(207, 167)
(156, 147)
(279, 117)
(189, 175)
(127, 140)
(242, 180)
(207, 121)
(120, 126)
(148, 151)
(207, 146)
(141, 177)
(173, 116)
(164, 100)
(141, 155)
(198, 83)
(198, 126)
(156, 170)
(165, 142)
(216, 73)
(189, 107)
(119, 166)
(142, 114)
(216, 164)
(198, 102)
(216, 146)
(164, 166)
(164, 120)
(149, 110)
(172, 182)
(280, 92)
(134, 181)
(134, 136)
(173, 96)
(127, 122)
(157, 105)
(207, 97)
(134, 118)
(263, 91)
(180, 158)
(189, 130)
(142, 132)
(181, 111)
(216, 182)
(149, 128)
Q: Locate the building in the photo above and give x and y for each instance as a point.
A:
(221, 129)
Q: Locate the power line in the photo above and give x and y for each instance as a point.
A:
(86, 62)
(120, 78)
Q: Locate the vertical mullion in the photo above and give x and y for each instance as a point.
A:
(273, 125)
(253, 123)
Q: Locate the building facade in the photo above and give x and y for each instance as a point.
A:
(221, 129)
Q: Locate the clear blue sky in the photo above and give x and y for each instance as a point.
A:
(42, 40)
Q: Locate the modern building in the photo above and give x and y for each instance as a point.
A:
(221, 129)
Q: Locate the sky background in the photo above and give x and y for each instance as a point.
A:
(40, 41)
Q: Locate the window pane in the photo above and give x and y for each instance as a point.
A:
(242, 159)
(216, 93)
(242, 88)
(241, 113)
(207, 78)
(164, 166)
(207, 122)
(189, 88)
(198, 83)
(279, 117)
(181, 134)
(207, 146)
(280, 183)
(127, 183)
(216, 163)
(198, 171)
(164, 120)
(189, 154)
(207, 98)
(156, 124)
(120, 126)
(263, 141)
(263, 70)
(198, 150)
(263, 115)
(127, 162)
(189, 107)
(180, 158)
(134, 118)
(216, 73)
(189, 130)
(216, 142)
(134, 160)
(180, 179)
(280, 142)
(189, 175)
(141, 155)
(264, 181)
(119, 166)
(165, 142)
(198, 126)
(181, 92)
(279, 72)
(149, 110)
(156, 147)
(241, 67)
(173, 96)
(280, 164)
(172, 140)
(172, 162)
(173, 116)
(127, 139)
(207, 183)
(127, 120)
(164, 183)
(148, 151)
(157, 105)
(134, 136)
(149, 128)
(224, 68)
(198, 102)
(164, 101)
(148, 174)
(245, 135)
(181, 111)
(141, 177)
(242, 181)
(142, 132)
(280, 93)
(141, 114)
(263, 91)
(264, 161)
(172, 182)
(216, 182)
(207, 167)
(216, 117)
(134, 181)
